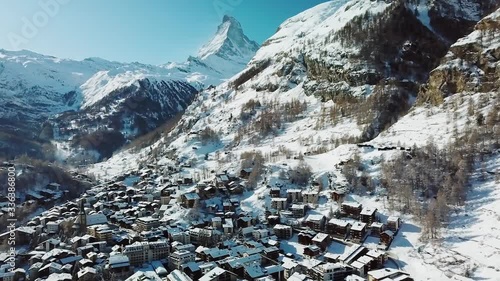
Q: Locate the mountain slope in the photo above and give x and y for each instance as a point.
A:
(329, 76)
(460, 93)
(318, 83)
(95, 94)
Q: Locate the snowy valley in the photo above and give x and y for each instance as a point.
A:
(359, 142)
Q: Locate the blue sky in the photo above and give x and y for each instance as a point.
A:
(148, 31)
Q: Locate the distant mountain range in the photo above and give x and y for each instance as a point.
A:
(81, 98)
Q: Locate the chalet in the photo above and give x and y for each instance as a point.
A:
(368, 215)
(275, 192)
(376, 229)
(245, 222)
(25, 234)
(217, 222)
(237, 265)
(379, 258)
(191, 200)
(51, 244)
(245, 173)
(351, 209)
(187, 180)
(283, 231)
(316, 222)
(393, 224)
(216, 254)
(165, 195)
(236, 187)
(331, 257)
(273, 220)
(260, 233)
(306, 237)
(338, 195)
(254, 271)
(298, 210)
(338, 228)
(321, 240)
(294, 195)
(278, 203)
(271, 253)
(312, 251)
(227, 206)
(221, 180)
(228, 226)
(358, 231)
(193, 270)
(310, 197)
(386, 237)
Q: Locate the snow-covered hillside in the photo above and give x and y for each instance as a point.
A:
(464, 85)
(294, 101)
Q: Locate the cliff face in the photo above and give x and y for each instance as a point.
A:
(471, 64)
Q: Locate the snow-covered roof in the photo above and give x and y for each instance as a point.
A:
(358, 226)
(352, 204)
(320, 237)
(96, 219)
(212, 274)
(178, 275)
(385, 272)
(191, 196)
(118, 261)
(315, 217)
(368, 211)
(392, 219)
(339, 222)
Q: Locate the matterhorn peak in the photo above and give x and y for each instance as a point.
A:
(229, 43)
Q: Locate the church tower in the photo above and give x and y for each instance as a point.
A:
(81, 219)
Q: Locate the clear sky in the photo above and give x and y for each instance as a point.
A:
(148, 31)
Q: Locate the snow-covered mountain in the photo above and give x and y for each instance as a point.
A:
(342, 73)
(35, 87)
(229, 44)
(354, 66)
(226, 54)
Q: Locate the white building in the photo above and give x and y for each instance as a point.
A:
(178, 258)
(142, 252)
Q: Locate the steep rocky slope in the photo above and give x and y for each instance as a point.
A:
(462, 92)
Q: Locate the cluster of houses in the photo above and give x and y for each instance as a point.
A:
(124, 231)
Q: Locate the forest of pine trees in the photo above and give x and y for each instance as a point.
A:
(427, 182)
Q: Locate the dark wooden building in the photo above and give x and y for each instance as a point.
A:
(306, 237)
(393, 224)
(351, 209)
(368, 215)
(358, 231)
(386, 237)
(338, 228)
